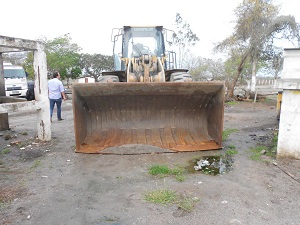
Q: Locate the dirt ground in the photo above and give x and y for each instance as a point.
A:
(48, 183)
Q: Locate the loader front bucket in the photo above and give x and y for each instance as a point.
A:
(175, 116)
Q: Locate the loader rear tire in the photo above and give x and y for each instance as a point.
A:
(109, 78)
(181, 77)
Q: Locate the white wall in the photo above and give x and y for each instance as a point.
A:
(289, 125)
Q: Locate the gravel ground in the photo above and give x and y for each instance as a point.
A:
(48, 183)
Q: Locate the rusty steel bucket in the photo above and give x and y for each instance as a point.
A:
(183, 116)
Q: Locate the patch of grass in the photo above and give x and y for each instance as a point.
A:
(5, 151)
(24, 133)
(226, 133)
(186, 203)
(159, 169)
(256, 152)
(164, 170)
(180, 177)
(232, 150)
(36, 164)
(270, 150)
(161, 196)
(166, 196)
(232, 103)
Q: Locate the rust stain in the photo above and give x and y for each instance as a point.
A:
(42, 124)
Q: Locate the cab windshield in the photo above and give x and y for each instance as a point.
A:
(143, 40)
(14, 73)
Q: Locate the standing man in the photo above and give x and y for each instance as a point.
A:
(56, 92)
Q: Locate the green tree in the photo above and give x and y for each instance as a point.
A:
(206, 69)
(257, 27)
(184, 38)
(15, 58)
(94, 65)
(63, 56)
(28, 65)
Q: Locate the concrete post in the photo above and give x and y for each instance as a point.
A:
(41, 93)
(289, 125)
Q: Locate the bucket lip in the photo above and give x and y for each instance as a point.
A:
(194, 83)
(163, 88)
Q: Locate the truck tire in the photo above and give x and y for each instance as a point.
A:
(181, 77)
(29, 95)
(108, 78)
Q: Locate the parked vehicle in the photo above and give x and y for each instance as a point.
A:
(30, 92)
(15, 79)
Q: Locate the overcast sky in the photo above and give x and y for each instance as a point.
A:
(90, 22)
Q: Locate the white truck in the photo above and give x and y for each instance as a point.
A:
(15, 80)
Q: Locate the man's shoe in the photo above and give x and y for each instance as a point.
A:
(60, 119)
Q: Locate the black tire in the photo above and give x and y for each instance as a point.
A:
(181, 77)
(29, 95)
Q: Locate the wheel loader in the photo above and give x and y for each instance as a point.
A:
(147, 100)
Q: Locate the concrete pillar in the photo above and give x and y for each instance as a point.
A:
(4, 121)
(289, 125)
(41, 93)
(2, 82)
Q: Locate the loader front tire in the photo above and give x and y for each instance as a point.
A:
(181, 77)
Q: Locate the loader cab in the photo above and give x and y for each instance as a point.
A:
(133, 42)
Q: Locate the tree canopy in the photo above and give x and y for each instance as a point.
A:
(63, 56)
(93, 65)
(184, 38)
(258, 26)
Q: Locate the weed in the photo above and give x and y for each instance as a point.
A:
(231, 150)
(166, 196)
(161, 196)
(165, 170)
(36, 164)
(256, 152)
(270, 151)
(24, 133)
(159, 169)
(273, 149)
(232, 103)
(186, 203)
(180, 177)
(5, 151)
(227, 132)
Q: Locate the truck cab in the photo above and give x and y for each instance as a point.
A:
(15, 80)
